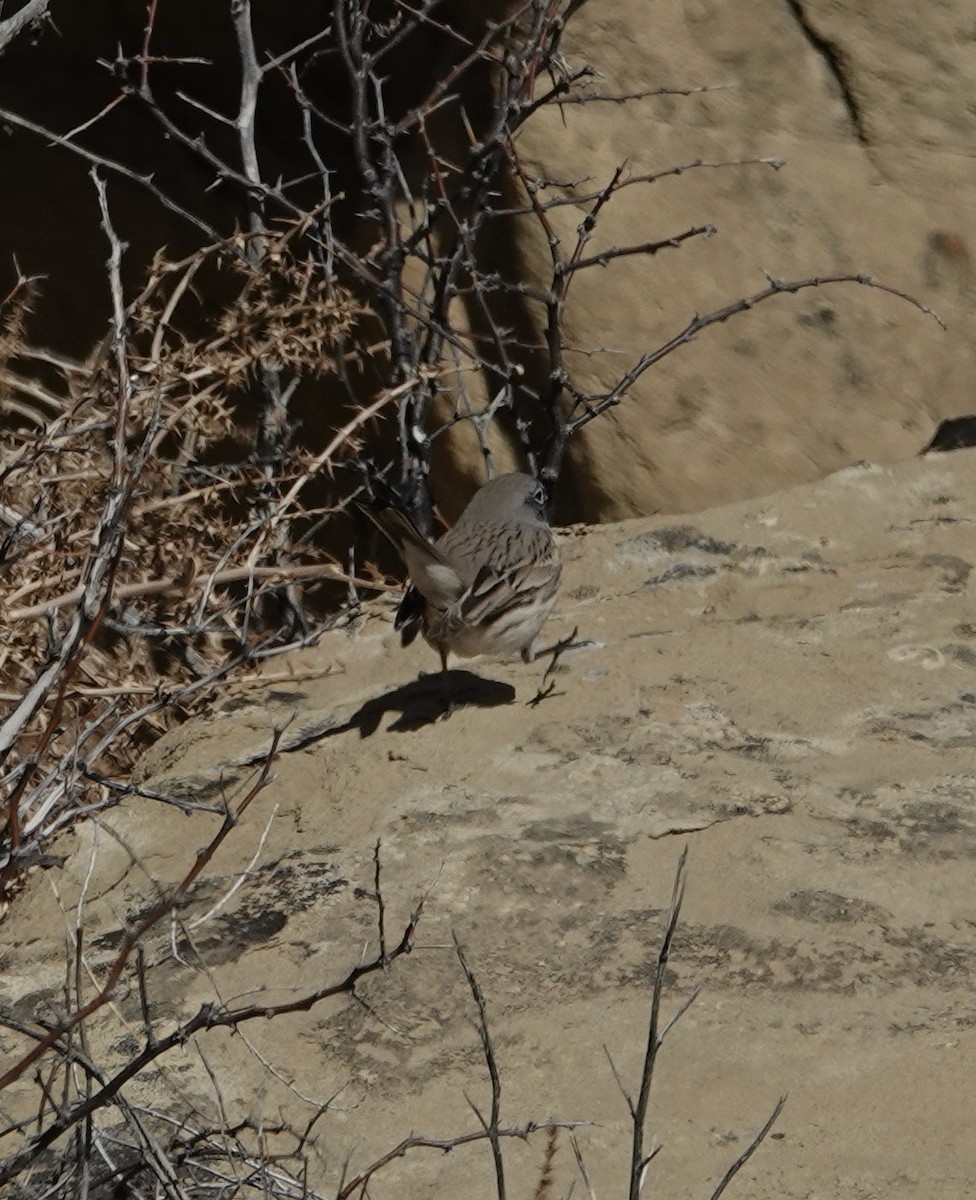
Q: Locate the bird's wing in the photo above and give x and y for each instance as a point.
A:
(492, 595)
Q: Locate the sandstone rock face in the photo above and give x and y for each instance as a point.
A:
(868, 106)
(783, 686)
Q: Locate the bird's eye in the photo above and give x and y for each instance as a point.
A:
(539, 495)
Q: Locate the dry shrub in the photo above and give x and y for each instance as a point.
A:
(213, 534)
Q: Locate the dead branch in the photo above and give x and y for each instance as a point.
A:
(640, 1157)
(33, 13)
(446, 1145)
(746, 1154)
(491, 1126)
(587, 407)
(180, 583)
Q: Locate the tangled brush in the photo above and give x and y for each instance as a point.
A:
(156, 524)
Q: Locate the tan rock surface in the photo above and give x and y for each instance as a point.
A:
(785, 686)
(877, 135)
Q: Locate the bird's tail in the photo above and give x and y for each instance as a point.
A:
(430, 572)
(397, 526)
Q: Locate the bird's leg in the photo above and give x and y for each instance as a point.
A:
(443, 651)
(548, 684)
(555, 649)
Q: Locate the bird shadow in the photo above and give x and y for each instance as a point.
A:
(427, 700)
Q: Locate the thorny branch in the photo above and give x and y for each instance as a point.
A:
(491, 1126)
(640, 1158)
(586, 407)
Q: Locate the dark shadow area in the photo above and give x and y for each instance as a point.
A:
(956, 433)
(426, 700)
(68, 76)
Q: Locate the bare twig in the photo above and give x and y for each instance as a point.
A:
(491, 1127)
(587, 407)
(749, 1151)
(355, 1185)
(640, 1157)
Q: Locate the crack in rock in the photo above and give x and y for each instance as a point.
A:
(838, 66)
